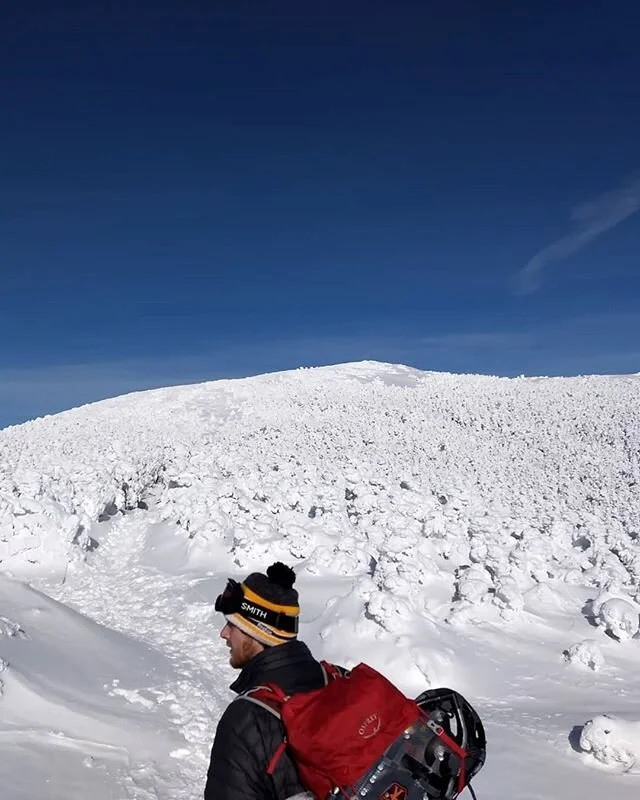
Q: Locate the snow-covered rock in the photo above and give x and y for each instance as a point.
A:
(619, 617)
(586, 654)
(614, 742)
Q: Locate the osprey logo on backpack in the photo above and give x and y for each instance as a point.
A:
(370, 726)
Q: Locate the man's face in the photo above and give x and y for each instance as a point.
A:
(242, 647)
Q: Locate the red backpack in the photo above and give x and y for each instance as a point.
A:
(357, 732)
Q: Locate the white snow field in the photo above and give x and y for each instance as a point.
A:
(474, 532)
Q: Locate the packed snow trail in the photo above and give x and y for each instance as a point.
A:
(118, 590)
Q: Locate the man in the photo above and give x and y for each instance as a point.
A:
(261, 633)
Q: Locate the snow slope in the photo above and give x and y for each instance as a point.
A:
(64, 707)
(469, 531)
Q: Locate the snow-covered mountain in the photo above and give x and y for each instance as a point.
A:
(476, 532)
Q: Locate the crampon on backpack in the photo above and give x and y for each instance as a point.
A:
(359, 737)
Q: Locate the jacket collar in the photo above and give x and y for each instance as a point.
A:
(269, 662)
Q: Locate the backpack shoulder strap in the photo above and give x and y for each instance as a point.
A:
(269, 696)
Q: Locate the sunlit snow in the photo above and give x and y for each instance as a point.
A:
(467, 531)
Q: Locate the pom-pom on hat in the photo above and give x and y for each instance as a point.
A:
(269, 609)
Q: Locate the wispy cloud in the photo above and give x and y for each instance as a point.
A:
(590, 221)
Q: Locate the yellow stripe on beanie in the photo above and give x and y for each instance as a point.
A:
(252, 597)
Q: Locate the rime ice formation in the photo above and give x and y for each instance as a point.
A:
(613, 742)
(587, 654)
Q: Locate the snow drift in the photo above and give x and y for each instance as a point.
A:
(64, 707)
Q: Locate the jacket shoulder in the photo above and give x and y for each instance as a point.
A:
(245, 740)
(244, 710)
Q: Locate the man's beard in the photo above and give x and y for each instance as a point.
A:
(243, 654)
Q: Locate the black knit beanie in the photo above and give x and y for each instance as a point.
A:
(273, 591)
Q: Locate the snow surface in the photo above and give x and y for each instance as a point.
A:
(468, 531)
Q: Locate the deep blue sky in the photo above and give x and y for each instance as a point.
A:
(200, 190)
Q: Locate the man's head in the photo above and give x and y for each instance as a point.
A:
(262, 611)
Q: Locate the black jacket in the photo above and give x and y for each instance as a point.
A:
(248, 735)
